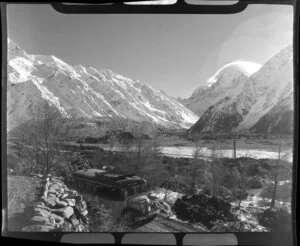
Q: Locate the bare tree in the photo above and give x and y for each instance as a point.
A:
(275, 176)
(214, 173)
(39, 136)
(196, 164)
(139, 144)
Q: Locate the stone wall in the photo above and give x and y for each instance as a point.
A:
(59, 209)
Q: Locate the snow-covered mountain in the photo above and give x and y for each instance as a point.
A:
(221, 84)
(278, 120)
(78, 91)
(260, 103)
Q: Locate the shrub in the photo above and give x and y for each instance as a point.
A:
(66, 168)
(102, 219)
(276, 219)
(254, 182)
(232, 226)
(252, 170)
(202, 208)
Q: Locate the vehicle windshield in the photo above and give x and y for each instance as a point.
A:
(135, 189)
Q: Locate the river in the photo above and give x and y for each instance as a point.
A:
(206, 152)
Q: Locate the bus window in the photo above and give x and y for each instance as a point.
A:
(130, 191)
(134, 190)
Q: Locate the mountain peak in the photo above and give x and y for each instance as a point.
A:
(232, 69)
(87, 92)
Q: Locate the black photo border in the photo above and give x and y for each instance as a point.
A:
(180, 7)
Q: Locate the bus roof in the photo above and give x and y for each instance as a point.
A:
(101, 175)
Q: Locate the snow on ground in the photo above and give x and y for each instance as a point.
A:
(169, 196)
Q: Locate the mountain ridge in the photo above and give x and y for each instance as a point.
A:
(257, 99)
(78, 91)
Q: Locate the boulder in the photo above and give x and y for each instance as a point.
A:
(58, 219)
(41, 212)
(36, 228)
(75, 222)
(70, 202)
(30, 210)
(84, 213)
(56, 186)
(61, 204)
(80, 207)
(80, 228)
(50, 201)
(39, 220)
(52, 190)
(66, 227)
(56, 179)
(52, 195)
(64, 195)
(65, 212)
(72, 193)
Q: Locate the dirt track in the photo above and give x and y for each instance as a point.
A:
(163, 224)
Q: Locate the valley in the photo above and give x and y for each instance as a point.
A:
(225, 154)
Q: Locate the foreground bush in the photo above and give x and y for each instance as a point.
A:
(276, 219)
(255, 182)
(232, 226)
(204, 209)
(102, 219)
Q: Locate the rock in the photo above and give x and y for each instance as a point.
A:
(80, 228)
(52, 195)
(65, 212)
(30, 210)
(70, 202)
(50, 201)
(61, 204)
(41, 212)
(84, 213)
(36, 228)
(66, 227)
(58, 219)
(63, 196)
(39, 220)
(52, 190)
(72, 193)
(55, 187)
(74, 221)
(56, 179)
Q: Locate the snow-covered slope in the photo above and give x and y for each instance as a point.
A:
(260, 95)
(278, 120)
(85, 92)
(221, 84)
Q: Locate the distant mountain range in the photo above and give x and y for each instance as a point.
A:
(78, 91)
(233, 101)
(236, 101)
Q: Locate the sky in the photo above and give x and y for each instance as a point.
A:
(173, 53)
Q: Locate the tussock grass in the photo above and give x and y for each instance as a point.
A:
(21, 191)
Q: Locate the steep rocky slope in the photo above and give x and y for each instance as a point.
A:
(78, 91)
